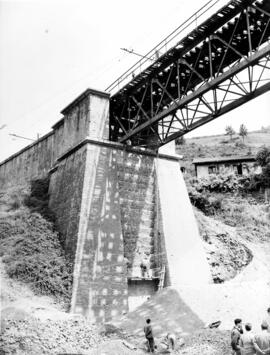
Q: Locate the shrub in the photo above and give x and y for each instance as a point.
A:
(204, 202)
(180, 140)
(220, 183)
(263, 156)
(223, 183)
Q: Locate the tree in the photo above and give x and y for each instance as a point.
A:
(266, 176)
(180, 140)
(263, 156)
(229, 131)
(243, 131)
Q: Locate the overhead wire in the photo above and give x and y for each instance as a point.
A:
(98, 72)
(61, 92)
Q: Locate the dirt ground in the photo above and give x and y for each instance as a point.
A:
(38, 325)
(33, 325)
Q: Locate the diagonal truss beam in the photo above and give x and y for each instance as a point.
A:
(229, 107)
(245, 63)
(199, 79)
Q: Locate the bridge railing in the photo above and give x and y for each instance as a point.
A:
(167, 43)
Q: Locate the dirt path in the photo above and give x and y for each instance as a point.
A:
(246, 296)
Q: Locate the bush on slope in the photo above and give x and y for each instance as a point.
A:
(30, 245)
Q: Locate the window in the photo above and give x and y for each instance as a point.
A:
(212, 169)
(237, 169)
(183, 169)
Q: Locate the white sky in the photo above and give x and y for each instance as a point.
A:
(52, 50)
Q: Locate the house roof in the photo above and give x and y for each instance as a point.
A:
(233, 158)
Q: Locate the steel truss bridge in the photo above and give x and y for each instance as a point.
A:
(214, 68)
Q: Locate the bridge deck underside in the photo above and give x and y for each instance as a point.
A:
(220, 65)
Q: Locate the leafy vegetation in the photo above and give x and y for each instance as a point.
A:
(180, 140)
(208, 204)
(30, 245)
(243, 132)
(207, 193)
(263, 158)
(229, 131)
(226, 182)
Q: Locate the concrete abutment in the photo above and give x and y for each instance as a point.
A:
(115, 207)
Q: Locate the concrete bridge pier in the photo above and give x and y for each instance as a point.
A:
(186, 259)
(115, 206)
(131, 204)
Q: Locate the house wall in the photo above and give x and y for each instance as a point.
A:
(247, 168)
(202, 171)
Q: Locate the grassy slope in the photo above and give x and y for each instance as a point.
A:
(30, 247)
(254, 139)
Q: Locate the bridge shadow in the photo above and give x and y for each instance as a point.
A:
(168, 312)
(102, 284)
(118, 223)
(137, 206)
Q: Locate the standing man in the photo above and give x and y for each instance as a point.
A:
(247, 341)
(267, 320)
(235, 336)
(149, 335)
(262, 340)
(145, 267)
(128, 266)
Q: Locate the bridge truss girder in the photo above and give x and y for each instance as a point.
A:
(227, 91)
(227, 69)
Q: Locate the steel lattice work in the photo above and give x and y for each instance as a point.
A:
(217, 67)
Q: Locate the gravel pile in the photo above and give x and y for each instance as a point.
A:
(207, 342)
(29, 337)
(203, 342)
(77, 336)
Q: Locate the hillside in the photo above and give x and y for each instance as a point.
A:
(221, 145)
(253, 139)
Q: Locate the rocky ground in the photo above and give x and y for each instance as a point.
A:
(33, 325)
(32, 336)
(227, 254)
(43, 327)
(204, 342)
